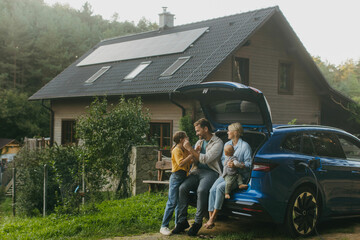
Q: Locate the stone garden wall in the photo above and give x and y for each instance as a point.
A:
(142, 167)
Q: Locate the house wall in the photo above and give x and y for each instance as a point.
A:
(267, 47)
(161, 110)
(66, 109)
(11, 148)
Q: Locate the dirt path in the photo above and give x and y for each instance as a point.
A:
(229, 228)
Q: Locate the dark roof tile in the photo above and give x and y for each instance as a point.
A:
(224, 36)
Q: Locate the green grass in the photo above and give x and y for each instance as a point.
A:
(5, 207)
(135, 215)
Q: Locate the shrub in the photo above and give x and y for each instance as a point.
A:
(67, 172)
(30, 182)
(187, 125)
(63, 177)
(109, 132)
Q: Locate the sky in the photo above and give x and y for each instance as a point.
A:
(327, 28)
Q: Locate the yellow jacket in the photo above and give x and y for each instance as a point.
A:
(177, 154)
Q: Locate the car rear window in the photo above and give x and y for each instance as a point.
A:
(292, 143)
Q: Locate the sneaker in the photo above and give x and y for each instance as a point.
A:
(165, 231)
(180, 227)
(194, 229)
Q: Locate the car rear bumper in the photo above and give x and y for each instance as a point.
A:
(250, 210)
(241, 209)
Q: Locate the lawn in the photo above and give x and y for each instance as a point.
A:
(138, 215)
(135, 215)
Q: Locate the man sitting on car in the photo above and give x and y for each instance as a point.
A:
(201, 178)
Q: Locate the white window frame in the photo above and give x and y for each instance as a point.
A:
(98, 74)
(141, 67)
(170, 71)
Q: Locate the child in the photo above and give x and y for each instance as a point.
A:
(180, 160)
(231, 174)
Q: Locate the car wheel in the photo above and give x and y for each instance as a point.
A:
(302, 213)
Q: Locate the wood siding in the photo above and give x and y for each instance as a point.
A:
(161, 109)
(69, 109)
(268, 47)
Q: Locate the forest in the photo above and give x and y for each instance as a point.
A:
(38, 41)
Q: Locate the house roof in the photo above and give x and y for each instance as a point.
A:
(207, 43)
(218, 39)
(5, 141)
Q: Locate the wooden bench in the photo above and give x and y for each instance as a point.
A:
(162, 165)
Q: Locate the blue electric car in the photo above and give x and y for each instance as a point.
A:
(301, 174)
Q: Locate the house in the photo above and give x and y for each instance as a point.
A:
(256, 48)
(8, 149)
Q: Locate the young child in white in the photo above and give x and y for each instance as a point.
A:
(181, 161)
(231, 174)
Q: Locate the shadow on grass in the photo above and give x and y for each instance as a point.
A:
(242, 229)
(338, 226)
(247, 230)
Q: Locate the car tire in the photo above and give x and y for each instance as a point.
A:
(302, 213)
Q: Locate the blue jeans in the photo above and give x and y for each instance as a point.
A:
(217, 194)
(200, 181)
(176, 179)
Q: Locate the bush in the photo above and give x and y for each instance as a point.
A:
(67, 172)
(108, 137)
(187, 125)
(30, 182)
(63, 177)
(109, 132)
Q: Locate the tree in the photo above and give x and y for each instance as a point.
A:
(187, 126)
(37, 42)
(20, 118)
(345, 78)
(108, 133)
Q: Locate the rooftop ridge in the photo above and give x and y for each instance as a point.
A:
(231, 15)
(187, 24)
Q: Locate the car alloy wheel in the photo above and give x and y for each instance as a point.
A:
(303, 212)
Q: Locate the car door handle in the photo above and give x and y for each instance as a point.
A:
(355, 172)
(322, 171)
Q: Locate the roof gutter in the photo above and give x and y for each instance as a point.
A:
(183, 111)
(51, 122)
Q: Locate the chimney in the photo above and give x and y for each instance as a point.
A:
(166, 19)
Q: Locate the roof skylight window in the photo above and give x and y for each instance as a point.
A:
(137, 70)
(175, 66)
(98, 74)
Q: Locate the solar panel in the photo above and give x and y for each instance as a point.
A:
(147, 47)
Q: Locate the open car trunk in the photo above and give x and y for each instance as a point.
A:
(224, 103)
(253, 138)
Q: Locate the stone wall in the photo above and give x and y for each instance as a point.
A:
(142, 167)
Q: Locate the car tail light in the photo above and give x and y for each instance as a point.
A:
(252, 210)
(264, 167)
